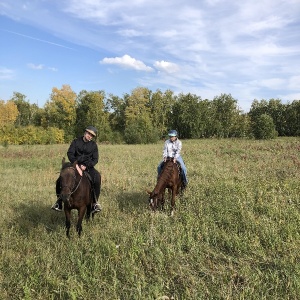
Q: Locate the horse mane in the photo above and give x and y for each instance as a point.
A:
(66, 165)
(167, 171)
(165, 175)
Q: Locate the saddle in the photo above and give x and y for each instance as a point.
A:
(89, 177)
(177, 164)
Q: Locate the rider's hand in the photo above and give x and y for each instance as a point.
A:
(82, 167)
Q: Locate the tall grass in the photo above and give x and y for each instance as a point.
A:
(235, 233)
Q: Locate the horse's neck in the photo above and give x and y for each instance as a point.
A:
(164, 177)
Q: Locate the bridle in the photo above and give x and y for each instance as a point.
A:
(75, 187)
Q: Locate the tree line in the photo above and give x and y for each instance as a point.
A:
(143, 116)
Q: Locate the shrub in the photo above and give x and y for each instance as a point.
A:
(31, 135)
(141, 133)
(264, 128)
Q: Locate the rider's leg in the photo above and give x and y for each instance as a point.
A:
(184, 171)
(58, 204)
(96, 190)
(159, 168)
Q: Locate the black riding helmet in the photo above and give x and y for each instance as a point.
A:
(92, 130)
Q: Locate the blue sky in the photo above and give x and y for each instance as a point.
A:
(249, 49)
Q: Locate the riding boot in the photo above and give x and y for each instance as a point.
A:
(96, 194)
(57, 205)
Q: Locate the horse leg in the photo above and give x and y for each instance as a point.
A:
(89, 209)
(173, 200)
(81, 213)
(68, 222)
(163, 200)
(88, 212)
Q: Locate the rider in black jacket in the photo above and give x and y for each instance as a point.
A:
(85, 151)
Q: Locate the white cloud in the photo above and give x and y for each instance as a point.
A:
(294, 83)
(129, 33)
(41, 67)
(128, 62)
(273, 83)
(290, 97)
(52, 69)
(166, 66)
(35, 67)
(6, 74)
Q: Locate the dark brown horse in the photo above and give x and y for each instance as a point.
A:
(75, 193)
(169, 178)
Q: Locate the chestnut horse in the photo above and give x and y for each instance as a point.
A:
(169, 178)
(75, 193)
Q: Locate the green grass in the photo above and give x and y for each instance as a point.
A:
(235, 233)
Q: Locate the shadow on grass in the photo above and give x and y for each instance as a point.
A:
(139, 202)
(129, 202)
(32, 215)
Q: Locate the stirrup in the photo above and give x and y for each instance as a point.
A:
(96, 208)
(57, 207)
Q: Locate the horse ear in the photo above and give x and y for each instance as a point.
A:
(63, 161)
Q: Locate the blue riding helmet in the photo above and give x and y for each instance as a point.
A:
(172, 133)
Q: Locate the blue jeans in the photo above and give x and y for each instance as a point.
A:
(183, 168)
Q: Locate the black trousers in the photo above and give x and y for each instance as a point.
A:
(96, 182)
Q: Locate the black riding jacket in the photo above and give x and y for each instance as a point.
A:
(86, 153)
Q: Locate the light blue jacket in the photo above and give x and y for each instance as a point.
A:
(172, 149)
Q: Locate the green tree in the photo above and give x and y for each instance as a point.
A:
(91, 111)
(277, 111)
(242, 127)
(161, 105)
(116, 108)
(138, 118)
(24, 117)
(39, 116)
(273, 108)
(292, 117)
(206, 120)
(138, 105)
(264, 127)
(27, 112)
(225, 115)
(140, 132)
(187, 116)
(61, 110)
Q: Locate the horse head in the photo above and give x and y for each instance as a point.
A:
(68, 180)
(154, 199)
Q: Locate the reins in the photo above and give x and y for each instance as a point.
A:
(75, 189)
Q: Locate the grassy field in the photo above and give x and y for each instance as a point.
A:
(235, 233)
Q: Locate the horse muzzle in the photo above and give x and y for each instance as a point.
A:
(152, 204)
(65, 197)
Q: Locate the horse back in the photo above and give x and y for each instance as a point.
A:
(82, 196)
(169, 177)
